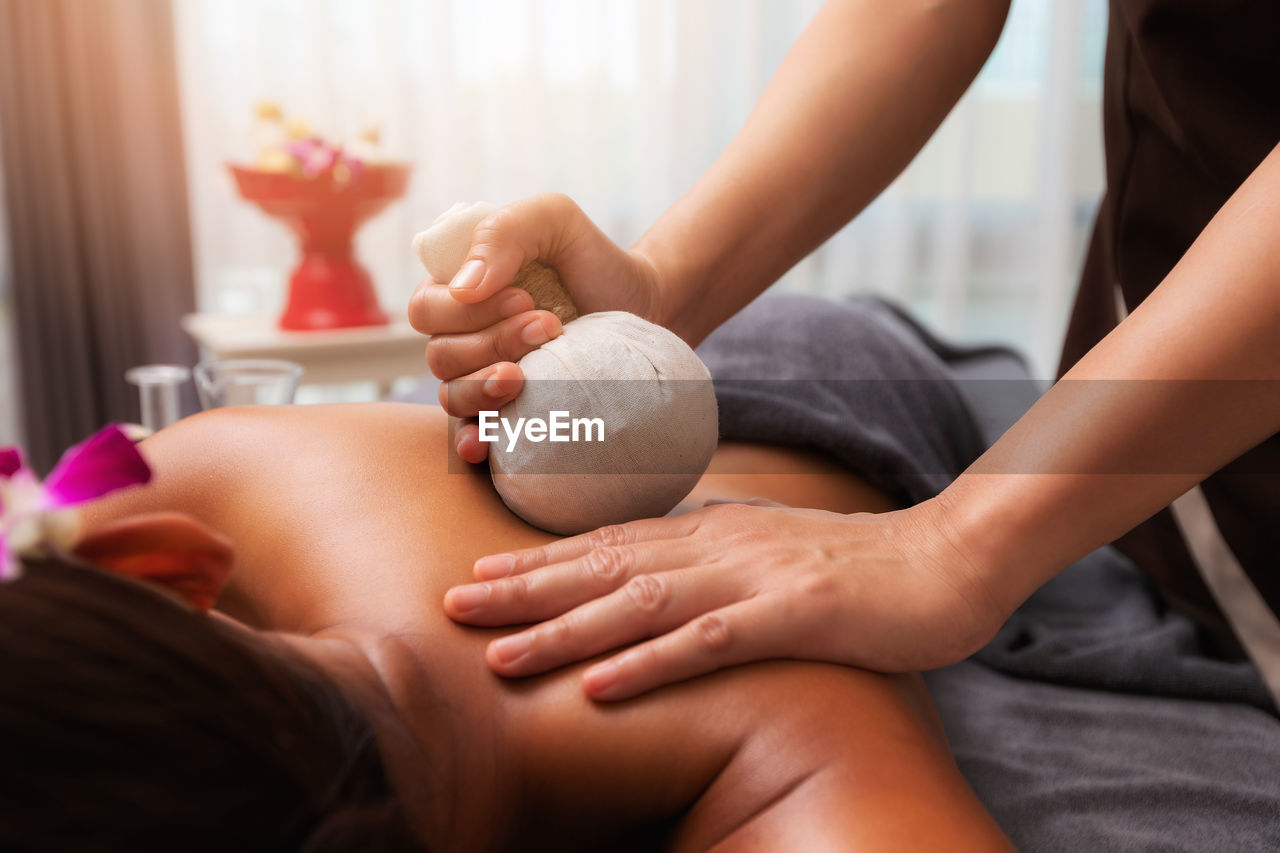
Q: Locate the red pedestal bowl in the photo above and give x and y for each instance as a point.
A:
(328, 289)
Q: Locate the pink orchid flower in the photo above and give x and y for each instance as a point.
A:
(10, 462)
(352, 162)
(315, 156)
(301, 149)
(30, 511)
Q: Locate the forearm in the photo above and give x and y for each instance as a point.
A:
(855, 99)
(1190, 381)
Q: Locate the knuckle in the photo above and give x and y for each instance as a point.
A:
(491, 230)
(439, 360)
(608, 564)
(736, 534)
(712, 633)
(561, 203)
(647, 658)
(818, 585)
(472, 318)
(648, 593)
(728, 512)
(505, 341)
(517, 589)
(556, 632)
(458, 401)
(539, 555)
(817, 597)
(420, 311)
(610, 536)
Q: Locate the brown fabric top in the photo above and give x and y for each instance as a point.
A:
(1191, 107)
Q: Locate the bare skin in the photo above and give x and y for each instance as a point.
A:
(349, 528)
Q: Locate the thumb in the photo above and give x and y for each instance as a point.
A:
(537, 228)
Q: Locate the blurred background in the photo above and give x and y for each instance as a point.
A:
(122, 215)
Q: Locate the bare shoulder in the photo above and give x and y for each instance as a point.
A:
(780, 756)
(254, 430)
(197, 461)
(839, 759)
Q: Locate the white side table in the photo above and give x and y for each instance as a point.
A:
(380, 354)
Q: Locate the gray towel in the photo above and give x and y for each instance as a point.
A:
(1096, 719)
(846, 379)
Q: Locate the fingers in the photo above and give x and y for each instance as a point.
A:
(535, 227)
(646, 605)
(483, 390)
(742, 632)
(496, 566)
(468, 444)
(434, 311)
(556, 589)
(452, 356)
(751, 502)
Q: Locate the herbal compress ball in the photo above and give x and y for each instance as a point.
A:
(651, 394)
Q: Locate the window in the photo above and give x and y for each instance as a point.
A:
(622, 104)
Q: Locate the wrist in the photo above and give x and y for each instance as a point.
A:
(989, 524)
(974, 551)
(950, 582)
(671, 289)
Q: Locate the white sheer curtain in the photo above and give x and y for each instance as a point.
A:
(10, 414)
(622, 104)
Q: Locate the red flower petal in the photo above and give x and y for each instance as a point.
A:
(98, 466)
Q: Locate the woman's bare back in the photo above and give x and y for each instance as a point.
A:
(348, 518)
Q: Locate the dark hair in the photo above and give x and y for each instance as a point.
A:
(128, 722)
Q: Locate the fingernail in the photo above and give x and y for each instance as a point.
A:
(510, 648)
(600, 677)
(513, 303)
(468, 278)
(464, 598)
(535, 333)
(495, 566)
(493, 386)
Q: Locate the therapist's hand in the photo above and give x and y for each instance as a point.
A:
(480, 325)
(732, 583)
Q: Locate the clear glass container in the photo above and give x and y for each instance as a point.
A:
(159, 387)
(247, 382)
